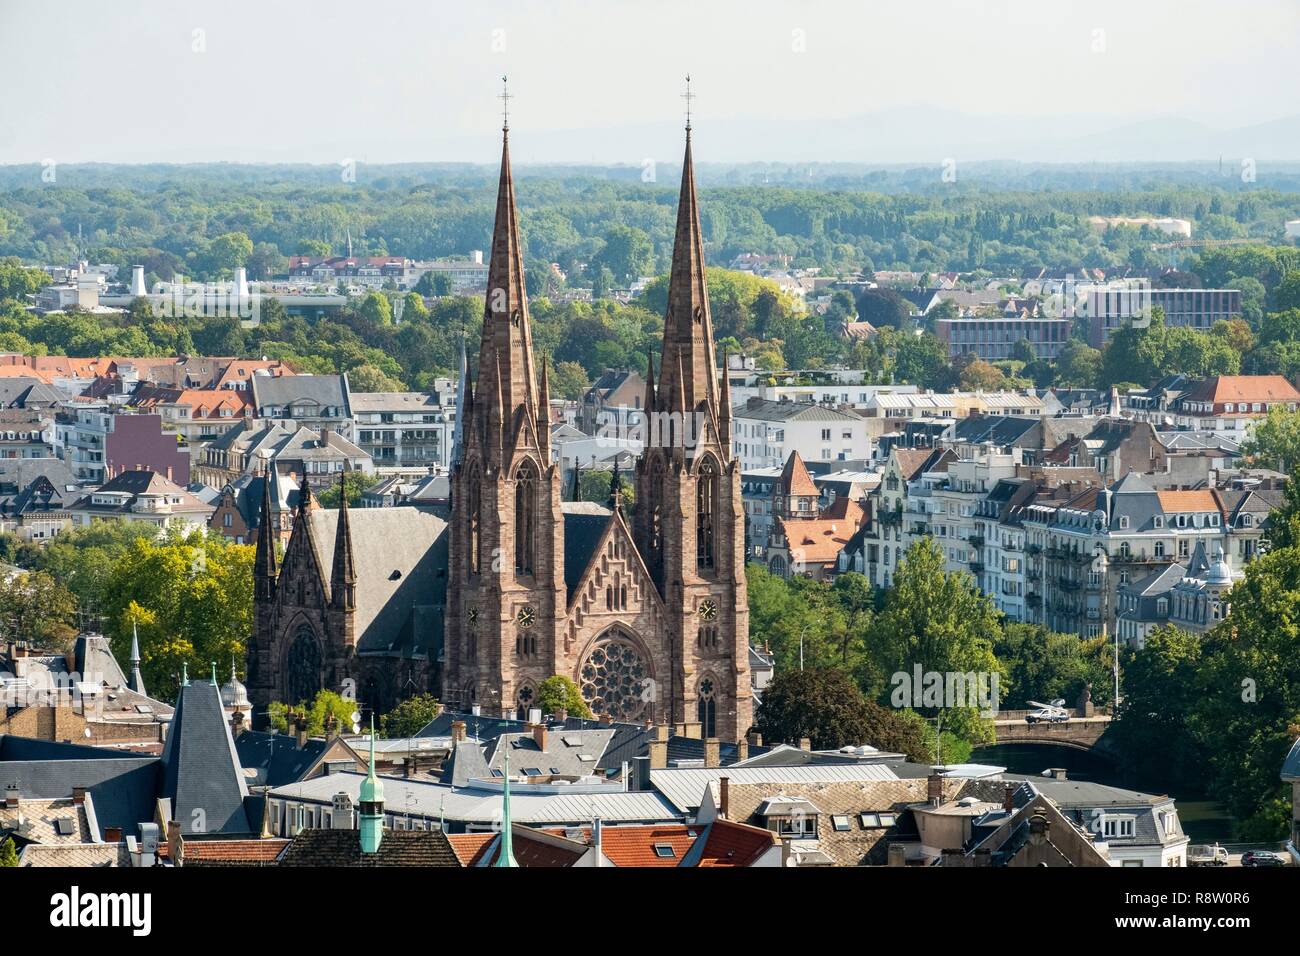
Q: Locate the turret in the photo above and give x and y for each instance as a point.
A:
(372, 803)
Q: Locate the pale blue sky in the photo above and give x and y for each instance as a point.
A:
(600, 81)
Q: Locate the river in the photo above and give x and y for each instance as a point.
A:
(1204, 821)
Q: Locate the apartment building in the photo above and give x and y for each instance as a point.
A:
(1111, 307)
(411, 430)
(765, 433)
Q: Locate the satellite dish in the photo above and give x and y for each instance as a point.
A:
(356, 727)
(356, 717)
(1059, 702)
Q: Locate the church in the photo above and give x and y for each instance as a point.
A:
(642, 604)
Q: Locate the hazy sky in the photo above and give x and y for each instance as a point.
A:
(392, 81)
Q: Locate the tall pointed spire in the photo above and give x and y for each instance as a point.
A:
(507, 386)
(372, 802)
(649, 382)
(343, 579)
(137, 680)
(506, 855)
(264, 570)
(687, 375)
(544, 413)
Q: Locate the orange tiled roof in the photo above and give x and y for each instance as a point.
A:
(468, 847)
(1188, 501)
(203, 402)
(1243, 388)
(795, 479)
(244, 851)
(818, 540)
(735, 844)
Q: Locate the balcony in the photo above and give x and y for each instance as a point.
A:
(1033, 549)
(976, 566)
(976, 541)
(1068, 583)
(1033, 597)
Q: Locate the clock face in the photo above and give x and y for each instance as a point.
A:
(708, 609)
(526, 616)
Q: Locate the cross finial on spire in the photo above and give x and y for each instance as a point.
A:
(688, 96)
(505, 103)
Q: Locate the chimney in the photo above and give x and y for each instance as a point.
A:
(78, 795)
(755, 739)
(457, 731)
(561, 714)
(934, 789)
(1008, 798)
(897, 855)
(236, 724)
(659, 748)
(11, 797)
(724, 797)
(539, 735)
(1057, 773)
(137, 281)
(712, 752)
(112, 834)
(300, 730)
(742, 749)
(805, 744)
(331, 726)
(408, 767)
(606, 719)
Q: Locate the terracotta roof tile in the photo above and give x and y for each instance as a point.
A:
(795, 479)
(735, 844)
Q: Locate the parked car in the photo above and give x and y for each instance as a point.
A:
(1262, 858)
(1207, 855)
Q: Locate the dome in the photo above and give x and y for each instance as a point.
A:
(234, 693)
(1219, 573)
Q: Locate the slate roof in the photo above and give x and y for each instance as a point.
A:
(201, 769)
(564, 753)
(321, 847)
(1001, 430)
(1078, 800)
(584, 524)
(774, 411)
(1291, 766)
(275, 757)
(281, 390)
(93, 659)
(400, 559)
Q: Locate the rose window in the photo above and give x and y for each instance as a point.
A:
(616, 681)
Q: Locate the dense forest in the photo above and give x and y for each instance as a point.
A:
(842, 219)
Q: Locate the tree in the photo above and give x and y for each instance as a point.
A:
(824, 705)
(941, 622)
(627, 253)
(36, 607)
(1078, 365)
(1275, 441)
(376, 309)
(884, 307)
(569, 380)
(1023, 351)
(354, 482)
(1286, 295)
(367, 378)
(326, 703)
(191, 597)
(558, 693)
(228, 252)
(8, 855)
(977, 375)
(1043, 665)
(409, 717)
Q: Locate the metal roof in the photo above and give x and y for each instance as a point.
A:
(684, 787)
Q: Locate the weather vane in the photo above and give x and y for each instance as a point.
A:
(688, 96)
(505, 102)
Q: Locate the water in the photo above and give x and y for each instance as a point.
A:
(1203, 820)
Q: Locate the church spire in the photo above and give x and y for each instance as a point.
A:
(264, 571)
(687, 376)
(372, 803)
(137, 681)
(343, 580)
(506, 855)
(649, 381)
(506, 376)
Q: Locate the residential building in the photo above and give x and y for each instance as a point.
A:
(405, 430)
(766, 432)
(317, 402)
(144, 496)
(1111, 307)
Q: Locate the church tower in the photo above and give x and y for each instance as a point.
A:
(689, 524)
(506, 595)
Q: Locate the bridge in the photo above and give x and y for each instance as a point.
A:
(1080, 733)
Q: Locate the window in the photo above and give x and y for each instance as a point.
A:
(664, 851)
(706, 501)
(826, 434)
(525, 517)
(1120, 827)
(840, 822)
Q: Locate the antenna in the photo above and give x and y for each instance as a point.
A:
(505, 103)
(688, 96)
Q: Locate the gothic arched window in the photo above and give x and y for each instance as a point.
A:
(524, 701)
(525, 517)
(302, 670)
(706, 505)
(475, 520)
(706, 708)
